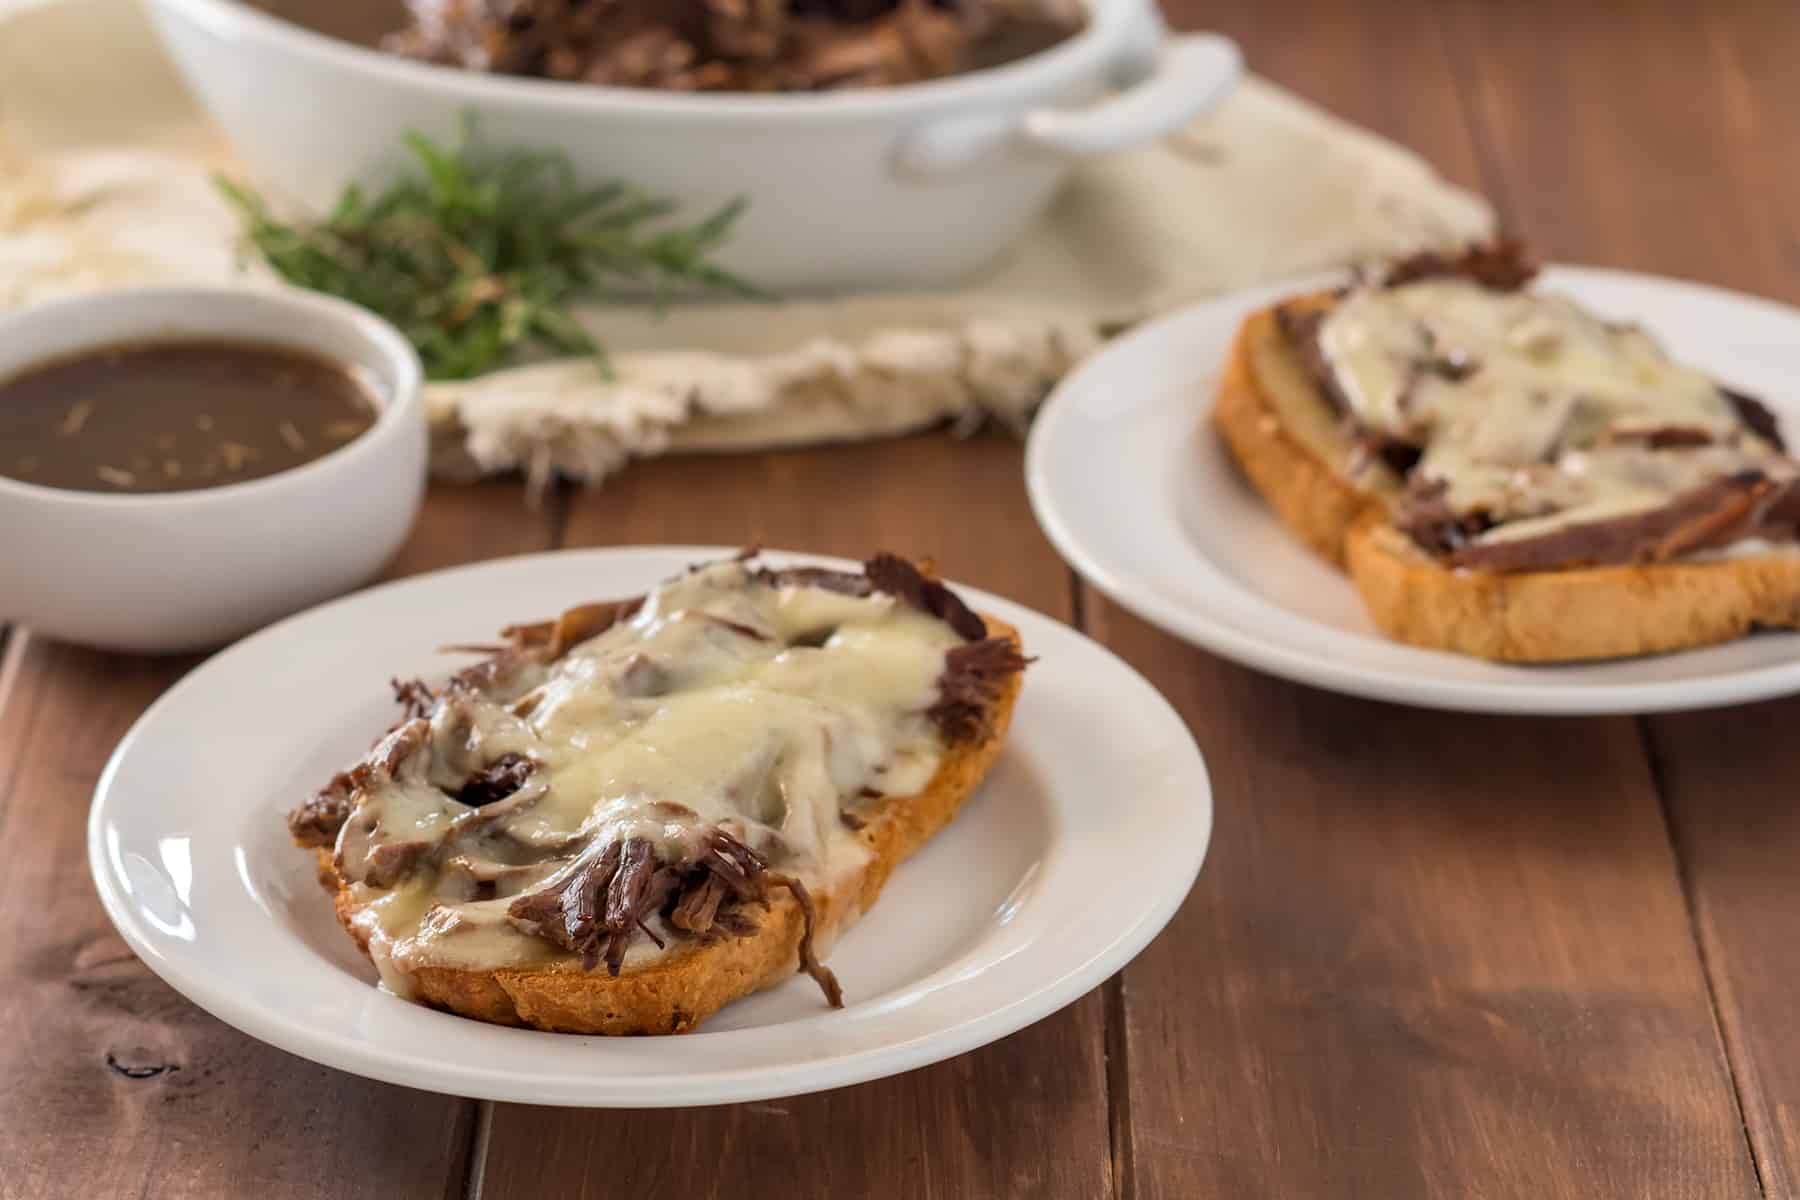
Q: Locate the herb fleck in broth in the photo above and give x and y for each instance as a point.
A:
(176, 416)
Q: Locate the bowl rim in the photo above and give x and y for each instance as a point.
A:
(1108, 27)
(400, 408)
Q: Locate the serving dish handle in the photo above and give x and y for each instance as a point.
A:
(1189, 74)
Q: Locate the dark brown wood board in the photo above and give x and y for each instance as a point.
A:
(1698, 180)
(116, 1085)
(1430, 954)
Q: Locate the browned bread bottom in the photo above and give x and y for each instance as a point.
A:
(678, 991)
(1281, 432)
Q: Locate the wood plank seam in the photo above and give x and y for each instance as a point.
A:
(475, 1171)
(1467, 83)
(1118, 1089)
(1730, 1050)
(462, 1141)
(1117, 1078)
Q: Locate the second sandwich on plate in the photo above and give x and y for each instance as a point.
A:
(1508, 475)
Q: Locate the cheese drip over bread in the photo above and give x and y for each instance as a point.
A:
(725, 701)
(1529, 410)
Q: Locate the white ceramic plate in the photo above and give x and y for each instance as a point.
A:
(1136, 491)
(1072, 856)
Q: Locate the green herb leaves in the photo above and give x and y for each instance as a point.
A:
(481, 256)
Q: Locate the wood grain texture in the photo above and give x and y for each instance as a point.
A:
(116, 1086)
(1024, 1117)
(1689, 181)
(1727, 779)
(1429, 955)
(1689, 168)
(1632, 134)
(1468, 1040)
(1380, 65)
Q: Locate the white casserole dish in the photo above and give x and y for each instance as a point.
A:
(890, 187)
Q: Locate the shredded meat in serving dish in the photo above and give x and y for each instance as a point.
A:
(733, 45)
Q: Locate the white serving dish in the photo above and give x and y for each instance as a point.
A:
(890, 187)
(188, 570)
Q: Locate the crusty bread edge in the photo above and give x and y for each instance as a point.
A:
(1315, 502)
(1566, 616)
(1520, 617)
(676, 992)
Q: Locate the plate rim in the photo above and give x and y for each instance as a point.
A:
(1226, 639)
(1048, 994)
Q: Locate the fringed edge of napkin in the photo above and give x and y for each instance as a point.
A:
(569, 419)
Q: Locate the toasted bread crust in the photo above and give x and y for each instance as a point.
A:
(1523, 617)
(1565, 616)
(678, 991)
(1314, 500)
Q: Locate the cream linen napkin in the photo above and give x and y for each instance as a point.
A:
(103, 181)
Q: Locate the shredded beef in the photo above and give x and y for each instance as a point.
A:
(496, 781)
(739, 628)
(604, 903)
(731, 45)
(699, 905)
(1300, 326)
(899, 578)
(1711, 515)
(809, 961)
(414, 698)
(1756, 417)
(591, 912)
(391, 862)
(846, 583)
(889, 574)
(1502, 266)
(1780, 516)
(974, 675)
(1427, 518)
(315, 822)
(1670, 437)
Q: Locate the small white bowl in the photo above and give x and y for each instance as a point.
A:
(187, 570)
(917, 185)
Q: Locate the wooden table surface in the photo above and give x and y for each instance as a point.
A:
(1430, 954)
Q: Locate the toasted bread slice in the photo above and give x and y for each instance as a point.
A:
(1287, 440)
(1292, 447)
(677, 991)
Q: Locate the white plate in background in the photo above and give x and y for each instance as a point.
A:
(1072, 856)
(1135, 489)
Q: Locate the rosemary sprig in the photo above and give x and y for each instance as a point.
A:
(479, 257)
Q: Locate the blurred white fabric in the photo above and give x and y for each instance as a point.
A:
(104, 180)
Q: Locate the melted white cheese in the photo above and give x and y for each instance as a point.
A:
(1526, 405)
(720, 702)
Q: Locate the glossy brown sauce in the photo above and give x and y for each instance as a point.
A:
(176, 416)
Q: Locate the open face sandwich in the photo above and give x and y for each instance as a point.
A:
(625, 818)
(1507, 475)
